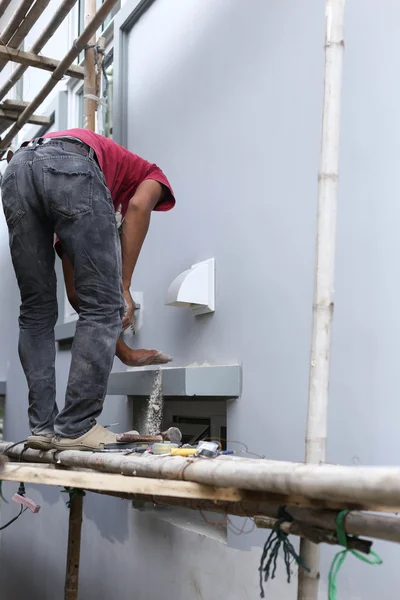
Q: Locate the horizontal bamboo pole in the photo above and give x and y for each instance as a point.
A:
(357, 487)
(13, 115)
(380, 527)
(312, 534)
(59, 73)
(15, 21)
(40, 62)
(41, 41)
(24, 28)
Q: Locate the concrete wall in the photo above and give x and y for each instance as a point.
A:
(226, 97)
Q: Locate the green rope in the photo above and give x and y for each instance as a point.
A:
(340, 557)
(73, 493)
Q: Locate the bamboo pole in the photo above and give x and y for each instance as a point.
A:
(24, 28)
(41, 41)
(324, 272)
(74, 548)
(4, 4)
(380, 527)
(373, 488)
(40, 62)
(26, 25)
(313, 534)
(15, 21)
(58, 74)
(76, 504)
(89, 82)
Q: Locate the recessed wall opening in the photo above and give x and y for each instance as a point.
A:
(197, 420)
(2, 401)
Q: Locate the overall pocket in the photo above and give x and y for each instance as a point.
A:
(69, 193)
(12, 205)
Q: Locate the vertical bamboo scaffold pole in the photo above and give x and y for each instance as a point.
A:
(324, 272)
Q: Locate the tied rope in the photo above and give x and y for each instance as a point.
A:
(269, 558)
(73, 493)
(340, 557)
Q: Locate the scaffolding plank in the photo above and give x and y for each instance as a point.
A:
(30, 59)
(110, 482)
(8, 117)
(12, 115)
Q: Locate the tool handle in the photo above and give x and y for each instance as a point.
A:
(135, 437)
(183, 451)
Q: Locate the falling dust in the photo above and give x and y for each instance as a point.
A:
(153, 418)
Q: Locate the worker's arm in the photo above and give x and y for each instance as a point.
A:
(134, 230)
(132, 358)
(122, 351)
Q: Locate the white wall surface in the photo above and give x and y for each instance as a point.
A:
(226, 97)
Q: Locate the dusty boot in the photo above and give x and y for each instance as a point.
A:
(94, 439)
(40, 442)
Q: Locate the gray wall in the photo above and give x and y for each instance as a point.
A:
(226, 97)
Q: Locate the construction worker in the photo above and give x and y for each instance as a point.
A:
(97, 197)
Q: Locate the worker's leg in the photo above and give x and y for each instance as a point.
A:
(31, 244)
(85, 223)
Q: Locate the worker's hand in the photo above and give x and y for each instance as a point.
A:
(143, 358)
(130, 308)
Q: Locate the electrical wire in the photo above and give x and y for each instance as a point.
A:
(11, 446)
(14, 518)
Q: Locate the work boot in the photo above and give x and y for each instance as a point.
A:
(94, 439)
(40, 442)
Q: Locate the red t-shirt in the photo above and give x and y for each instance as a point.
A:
(123, 170)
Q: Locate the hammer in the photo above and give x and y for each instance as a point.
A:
(173, 434)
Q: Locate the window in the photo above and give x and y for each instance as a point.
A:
(79, 109)
(81, 14)
(19, 86)
(111, 14)
(81, 25)
(107, 94)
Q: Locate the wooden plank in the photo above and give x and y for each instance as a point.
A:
(119, 483)
(30, 59)
(12, 115)
(19, 105)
